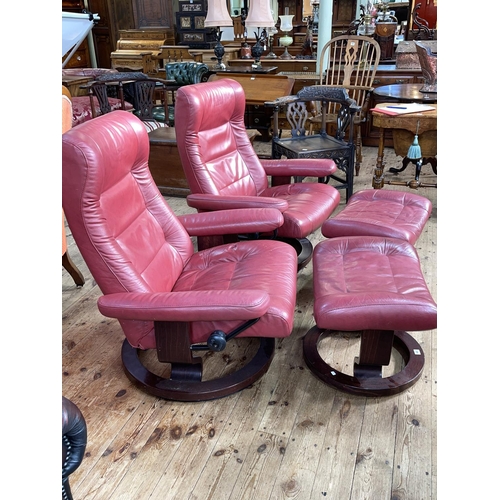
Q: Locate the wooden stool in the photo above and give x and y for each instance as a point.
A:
(371, 285)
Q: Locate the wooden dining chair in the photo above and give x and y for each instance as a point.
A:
(351, 62)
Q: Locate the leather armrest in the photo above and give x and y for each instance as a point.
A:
(257, 220)
(320, 167)
(218, 202)
(214, 305)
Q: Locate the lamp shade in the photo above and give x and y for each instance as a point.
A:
(286, 23)
(217, 14)
(259, 14)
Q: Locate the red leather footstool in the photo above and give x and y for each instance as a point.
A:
(375, 286)
(381, 212)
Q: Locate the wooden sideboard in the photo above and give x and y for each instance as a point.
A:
(259, 88)
(295, 65)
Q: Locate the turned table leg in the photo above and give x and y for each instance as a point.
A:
(378, 178)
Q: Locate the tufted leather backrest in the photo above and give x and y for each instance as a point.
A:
(185, 72)
(216, 153)
(127, 234)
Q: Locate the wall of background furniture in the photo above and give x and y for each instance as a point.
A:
(116, 15)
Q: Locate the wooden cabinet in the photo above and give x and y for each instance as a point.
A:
(344, 12)
(153, 14)
(105, 32)
(81, 58)
(116, 16)
(288, 65)
(190, 23)
(427, 11)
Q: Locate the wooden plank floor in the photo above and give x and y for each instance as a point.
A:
(287, 436)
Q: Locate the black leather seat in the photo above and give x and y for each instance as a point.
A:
(74, 442)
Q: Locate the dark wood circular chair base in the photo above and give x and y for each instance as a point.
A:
(405, 344)
(185, 383)
(304, 249)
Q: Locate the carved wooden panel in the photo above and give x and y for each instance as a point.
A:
(153, 14)
(344, 11)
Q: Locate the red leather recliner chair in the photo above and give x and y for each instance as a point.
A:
(165, 295)
(223, 171)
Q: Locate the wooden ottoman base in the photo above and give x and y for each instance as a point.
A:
(371, 286)
(375, 352)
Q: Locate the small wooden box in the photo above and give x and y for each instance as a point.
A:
(165, 163)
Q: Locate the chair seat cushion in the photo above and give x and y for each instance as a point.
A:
(381, 212)
(154, 125)
(259, 265)
(82, 111)
(309, 205)
(371, 283)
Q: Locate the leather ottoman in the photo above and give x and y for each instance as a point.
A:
(371, 286)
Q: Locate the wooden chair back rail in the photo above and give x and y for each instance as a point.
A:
(350, 61)
(260, 88)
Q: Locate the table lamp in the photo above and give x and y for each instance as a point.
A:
(286, 26)
(259, 16)
(217, 16)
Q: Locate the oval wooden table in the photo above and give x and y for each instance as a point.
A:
(404, 128)
(405, 92)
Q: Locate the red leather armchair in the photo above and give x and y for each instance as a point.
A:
(165, 295)
(223, 171)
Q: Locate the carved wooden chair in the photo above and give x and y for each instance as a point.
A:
(351, 62)
(133, 88)
(339, 147)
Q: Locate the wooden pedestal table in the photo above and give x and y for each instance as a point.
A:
(404, 129)
(405, 92)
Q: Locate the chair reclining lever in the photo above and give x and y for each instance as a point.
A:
(218, 339)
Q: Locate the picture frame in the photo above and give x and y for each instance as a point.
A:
(193, 37)
(191, 7)
(199, 22)
(185, 22)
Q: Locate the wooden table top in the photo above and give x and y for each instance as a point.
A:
(247, 69)
(405, 92)
(426, 120)
(260, 88)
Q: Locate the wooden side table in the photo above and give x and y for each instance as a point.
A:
(404, 128)
(405, 92)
